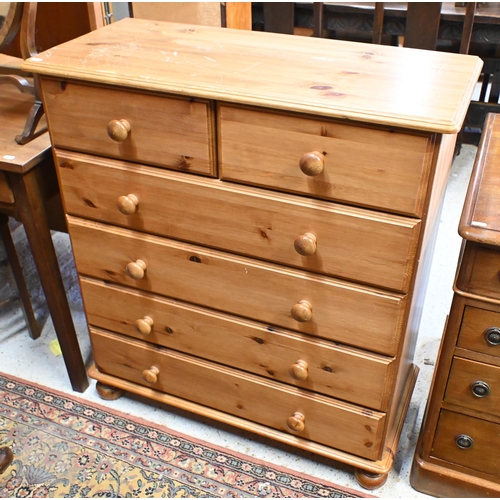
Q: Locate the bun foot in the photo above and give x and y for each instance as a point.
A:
(6, 457)
(107, 392)
(368, 480)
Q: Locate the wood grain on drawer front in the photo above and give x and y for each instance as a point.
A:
(481, 456)
(356, 315)
(357, 244)
(327, 421)
(362, 166)
(459, 390)
(477, 325)
(342, 372)
(480, 271)
(174, 133)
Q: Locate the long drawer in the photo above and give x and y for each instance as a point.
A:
(474, 385)
(372, 167)
(317, 418)
(352, 314)
(331, 369)
(467, 441)
(171, 132)
(480, 331)
(356, 244)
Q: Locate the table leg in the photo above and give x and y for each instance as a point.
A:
(29, 315)
(32, 213)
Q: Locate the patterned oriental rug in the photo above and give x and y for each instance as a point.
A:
(65, 447)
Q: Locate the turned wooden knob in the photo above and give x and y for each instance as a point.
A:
(136, 269)
(305, 244)
(127, 205)
(118, 130)
(144, 325)
(297, 422)
(300, 370)
(302, 311)
(151, 375)
(312, 163)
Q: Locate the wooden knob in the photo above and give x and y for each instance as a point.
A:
(118, 130)
(300, 370)
(297, 422)
(151, 375)
(312, 163)
(136, 269)
(305, 244)
(144, 325)
(302, 311)
(127, 205)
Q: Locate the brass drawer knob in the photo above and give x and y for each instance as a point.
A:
(151, 375)
(144, 325)
(480, 389)
(312, 163)
(127, 205)
(136, 269)
(302, 311)
(300, 370)
(305, 244)
(464, 442)
(492, 335)
(297, 422)
(118, 130)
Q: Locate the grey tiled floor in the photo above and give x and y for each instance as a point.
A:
(33, 360)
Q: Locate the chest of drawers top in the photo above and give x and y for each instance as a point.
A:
(414, 89)
(480, 221)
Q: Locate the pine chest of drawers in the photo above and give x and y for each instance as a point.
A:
(457, 452)
(252, 217)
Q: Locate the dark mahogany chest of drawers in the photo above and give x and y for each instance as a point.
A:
(458, 449)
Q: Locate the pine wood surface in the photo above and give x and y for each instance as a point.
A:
(409, 88)
(263, 148)
(216, 280)
(168, 132)
(335, 370)
(374, 247)
(357, 429)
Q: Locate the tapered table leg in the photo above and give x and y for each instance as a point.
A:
(33, 215)
(27, 307)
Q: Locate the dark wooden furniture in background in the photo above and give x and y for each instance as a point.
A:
(29, 192)
(472, 28)
(457, 451)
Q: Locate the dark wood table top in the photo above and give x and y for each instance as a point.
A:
(14, 109)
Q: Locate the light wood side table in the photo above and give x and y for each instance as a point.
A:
(29, 192)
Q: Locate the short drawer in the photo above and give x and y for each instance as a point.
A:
(279, 296)
(480, 331)
(467, 441)
(474, 385)
(317, 418)
(170, 132)
(480, 271)
(331, 369)
(370, 167)
(356, 244)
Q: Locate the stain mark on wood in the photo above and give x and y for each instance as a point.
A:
(195, 258)
(258, 340)
(168, 329)
(89, 203)
(110, 273)
(328, 369)
(321, 87)
(63, 85)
